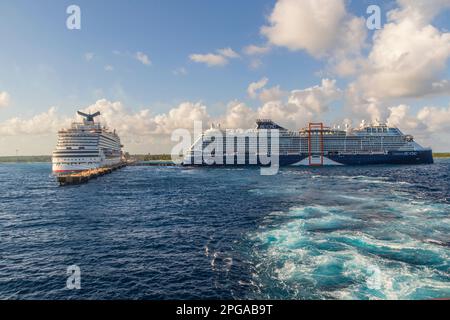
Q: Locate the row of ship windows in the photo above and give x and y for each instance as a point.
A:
(318, 134)
(327, 144)
(71, 160)
(78, 138)
(92, 148)
(242, 140)
(74, 163)
(79, 141)
(85, 139)
(315, 149)
(75, 147)
(299, 140)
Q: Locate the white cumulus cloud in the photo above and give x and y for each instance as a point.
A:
(422, 11)
(219, 59)
(228, 52)
(258, 90)
(409, 55)
(5, 99)
(40, 124)
(437, 119)
(210, 59)
(430, 124)
(301, 106)
(253, 50)
(271, 94)
(143, 58)
(254, 87)
(321, 27)
(182, 116)
(318, 98)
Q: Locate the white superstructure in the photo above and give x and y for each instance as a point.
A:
(86, 145)
(314, 145)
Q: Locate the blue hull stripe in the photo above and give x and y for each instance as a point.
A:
(394, 157)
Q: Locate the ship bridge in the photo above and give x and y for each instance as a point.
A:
(268, 124)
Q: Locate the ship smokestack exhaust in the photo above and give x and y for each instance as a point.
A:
(87, 116)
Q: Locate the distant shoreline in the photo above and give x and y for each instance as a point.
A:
(138, 157)
(441, 155)
(47, 158)
(24, 159)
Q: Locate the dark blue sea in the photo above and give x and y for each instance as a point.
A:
(379, 232)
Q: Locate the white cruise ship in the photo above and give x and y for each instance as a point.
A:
(86, 145)
(316, 145)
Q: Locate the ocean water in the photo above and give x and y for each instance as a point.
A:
(380, 232)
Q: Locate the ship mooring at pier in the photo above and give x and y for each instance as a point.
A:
(86, 175)
(88, 149)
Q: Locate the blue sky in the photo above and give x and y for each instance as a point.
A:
(43, 64)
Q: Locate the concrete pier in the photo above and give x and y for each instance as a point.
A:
(85, 176)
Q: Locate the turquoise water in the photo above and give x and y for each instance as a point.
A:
(378, 232)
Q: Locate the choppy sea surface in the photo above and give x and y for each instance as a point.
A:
(379, 232)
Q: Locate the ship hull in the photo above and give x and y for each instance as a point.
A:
(394, 157)
(59, 168)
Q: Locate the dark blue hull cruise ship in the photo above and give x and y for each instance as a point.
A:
(315, 145)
